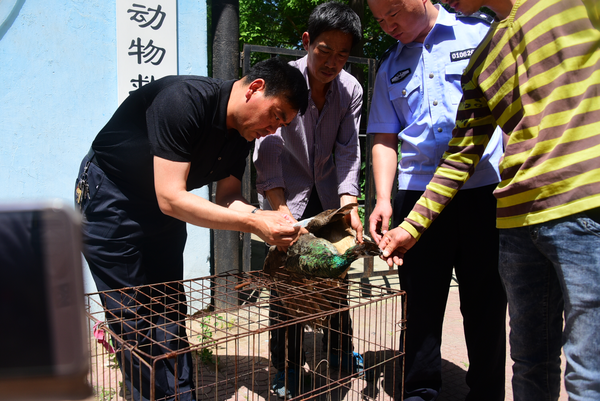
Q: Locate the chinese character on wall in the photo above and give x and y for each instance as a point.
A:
(146, 43)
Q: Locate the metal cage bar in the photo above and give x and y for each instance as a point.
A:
(230, 345)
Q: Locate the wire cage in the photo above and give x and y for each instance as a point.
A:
(131, 334)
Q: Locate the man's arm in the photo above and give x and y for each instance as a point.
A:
(231, 213)
(276, 198)
(347, 160)
(385, 163)
(475, 126)
(267, 161)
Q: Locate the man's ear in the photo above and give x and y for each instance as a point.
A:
(305, 40)
(257, 85)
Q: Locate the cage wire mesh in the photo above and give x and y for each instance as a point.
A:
(229, 345)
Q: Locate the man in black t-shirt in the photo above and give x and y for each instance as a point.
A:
(167, 138)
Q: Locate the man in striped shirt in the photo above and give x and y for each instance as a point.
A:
(537, 76)
(415, 99)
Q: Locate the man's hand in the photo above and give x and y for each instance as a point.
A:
(395, 243)
(379, 221)
(275, 228)
(352, 218)
(276, 198)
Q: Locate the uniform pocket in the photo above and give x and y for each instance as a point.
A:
(407, 99)
(103, 211)
(95, 179)
(454, 72)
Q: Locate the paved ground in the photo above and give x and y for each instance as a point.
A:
(454, 352)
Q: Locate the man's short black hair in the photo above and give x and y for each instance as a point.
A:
(334, 16)
(281, 79)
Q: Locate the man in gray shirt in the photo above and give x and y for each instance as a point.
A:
(313, 164)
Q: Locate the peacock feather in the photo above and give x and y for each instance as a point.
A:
(327, 251)
(318, 257)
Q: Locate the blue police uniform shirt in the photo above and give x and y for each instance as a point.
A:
(416, 96)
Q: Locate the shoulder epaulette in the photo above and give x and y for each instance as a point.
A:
(385, 55)
(477, 14)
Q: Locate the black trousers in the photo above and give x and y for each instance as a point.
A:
(337, 337)
(125, 247)
(463, 237)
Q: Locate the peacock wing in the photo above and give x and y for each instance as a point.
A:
(274, 260)
(340, 234)
(327, 216)
(310, 255)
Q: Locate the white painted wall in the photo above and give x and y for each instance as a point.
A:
(58, 87)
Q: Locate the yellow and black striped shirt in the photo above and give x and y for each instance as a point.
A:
(536, 75)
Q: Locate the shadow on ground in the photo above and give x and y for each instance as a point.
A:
(454, 386)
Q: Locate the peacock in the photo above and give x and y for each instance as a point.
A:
(327, 251)
(317, 257)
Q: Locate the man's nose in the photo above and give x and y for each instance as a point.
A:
(387, 28)
(331, 61)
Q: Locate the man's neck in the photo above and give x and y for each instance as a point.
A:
(318, 91)
(502, 8)
(237, 92)
(318, 87)
(432, 15)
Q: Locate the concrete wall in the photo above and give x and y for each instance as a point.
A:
(58, 87)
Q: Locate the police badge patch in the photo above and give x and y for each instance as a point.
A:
(400, 75)
(461, 55)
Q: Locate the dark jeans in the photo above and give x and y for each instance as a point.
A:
(549, 269)
(463, 238)
(340, 324)
(124, 249)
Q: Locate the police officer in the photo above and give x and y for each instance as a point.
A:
(417, 91)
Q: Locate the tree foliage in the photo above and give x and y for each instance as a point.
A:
(276, 23)
(280, 23)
